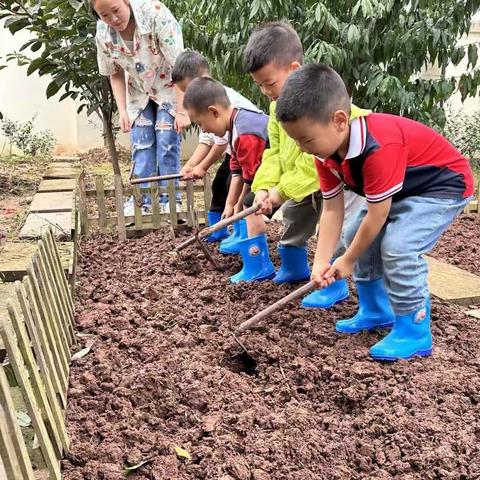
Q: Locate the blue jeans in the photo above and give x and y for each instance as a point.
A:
(412, 229)
(155, 146)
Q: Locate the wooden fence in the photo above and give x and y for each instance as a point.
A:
(474, 205)
(196, 199)
(38, 335)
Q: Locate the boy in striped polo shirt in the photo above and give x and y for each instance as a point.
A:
(415, 183)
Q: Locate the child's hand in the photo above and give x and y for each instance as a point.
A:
(274, 199)
(198, 172)
(342, 267)
(186, 171)
(318, 275)
(228, 211)
(124, 122)
(261, 198)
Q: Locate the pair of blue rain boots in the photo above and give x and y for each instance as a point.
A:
(294, 268)
(229, 246)
(218, 236)
(257, 265)
(410, 335)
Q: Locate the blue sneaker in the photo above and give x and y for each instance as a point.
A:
(294, 265)
(229, 246)
(256, 260)
(218, 236)
(327, 297)
(410, 337)
(374, 309)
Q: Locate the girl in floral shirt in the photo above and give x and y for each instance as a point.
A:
(137, 44)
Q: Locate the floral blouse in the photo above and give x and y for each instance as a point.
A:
(149, 61)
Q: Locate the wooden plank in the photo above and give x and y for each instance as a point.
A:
(15, 256)
(190, 203)
(34, 412)
(102, 209)
(42, 321)
(54, 248)
(207, 191)
(37, 223)
(137, 206)
(452, 283)
(128, 190)
(62, 185)
(34, 321)
(10, 430)
(48, 373)
(60, 342)
(172, 202)
(82, 207)
(121, 229)
(63, 313)
(51, 202)
(156, 221)
(7, 292)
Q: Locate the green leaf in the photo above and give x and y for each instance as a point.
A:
(181, 453)
(134, 468)
(35, 65)
(52, 89)
(472, 54)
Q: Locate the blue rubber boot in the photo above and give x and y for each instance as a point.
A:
(213, 218)
(327, 297)
(256, 260)
(374, 309)
(229, 246)
(410, 337)
(294, 265)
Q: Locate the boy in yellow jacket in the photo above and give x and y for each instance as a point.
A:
(287, 176)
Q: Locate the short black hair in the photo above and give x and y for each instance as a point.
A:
(93, 11)
(189, 64)
(275, 42)
(204, 92)
(315, 91)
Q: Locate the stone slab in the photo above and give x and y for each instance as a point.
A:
(474, 313)
(15, 256)
(452, 283)
(69, 159)
(60, 185)
(54, 172)
(37, 223)
(52, 202)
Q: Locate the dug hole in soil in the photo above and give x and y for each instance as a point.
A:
(304, 403)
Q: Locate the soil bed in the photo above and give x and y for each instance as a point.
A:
(460, 244)
(307, 404)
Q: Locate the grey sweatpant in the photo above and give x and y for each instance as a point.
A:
(300, 219)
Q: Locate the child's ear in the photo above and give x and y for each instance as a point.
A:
(294, 66)
(214, 111)
(341, 120)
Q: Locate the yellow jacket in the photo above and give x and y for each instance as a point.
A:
(285, 167)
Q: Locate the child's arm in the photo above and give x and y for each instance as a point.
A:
(198, 155)
(330, 229)
(216, 152)
(370, 227)
(245, 191)
(234, 192)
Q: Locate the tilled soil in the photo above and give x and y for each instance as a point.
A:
(460, 244)
(304, 403)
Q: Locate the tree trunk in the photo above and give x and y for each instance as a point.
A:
(110, 141)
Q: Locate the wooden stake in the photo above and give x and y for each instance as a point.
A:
(12, 445)
(41, 317)
(21, 375)
(295, 295)
(207, 192)
(137, 205)
(155, 205)
(190, 203)
(122, 231)
(102, 209)
(172, 202)
(174, 176)
(83, 207)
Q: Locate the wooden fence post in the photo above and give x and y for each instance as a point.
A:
(83, 208)
(102, 209)
(122, 231)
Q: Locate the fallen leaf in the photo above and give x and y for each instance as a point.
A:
(134, 468)
(182, 453)
(84, 351)
(23, 419)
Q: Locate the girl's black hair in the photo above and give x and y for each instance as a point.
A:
(92, 10)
